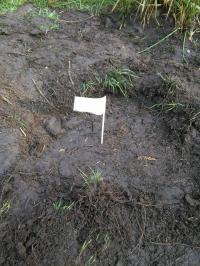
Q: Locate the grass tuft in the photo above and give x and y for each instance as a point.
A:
(94, 177)
(46, 13)
(171, 94)
(59, 205)
(118, 81)
(185, 12)
(94, 6)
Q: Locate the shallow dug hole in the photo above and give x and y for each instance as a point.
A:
(144, 209)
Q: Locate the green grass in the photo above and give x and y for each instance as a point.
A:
(185, 12)
(5, 207)
(10, 5)
(94, 6)
(171, 90)
(47, 27)
(94, 177)
(91, 260)
(88, 88)
(45, 13)
(59, 205)
(119, 81)
(84, 246)
(52, 15)
(166, 107)
(171, 85)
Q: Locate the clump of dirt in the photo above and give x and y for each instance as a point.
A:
(145, 211)
(102, 220)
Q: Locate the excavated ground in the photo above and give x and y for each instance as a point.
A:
(146, 211)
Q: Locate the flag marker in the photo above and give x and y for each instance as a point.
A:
(95, 106)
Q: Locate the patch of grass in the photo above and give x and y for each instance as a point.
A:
(59, 205)
(84, 246)
(171, 85)
(41, 3)
(102, 214)
(91, 260)
(45, 13)
(185, 12)
(94, 177)
(92, 86)
(94, 6)
(10, 5)
(48, 14)
(166, 107)
(88, 87)
(48, 27)
(5, 207)
(119, 81)
(171, 90)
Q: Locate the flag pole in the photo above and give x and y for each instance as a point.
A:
(102, 130)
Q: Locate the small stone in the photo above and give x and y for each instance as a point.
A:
(192, 202)
(53, 126)
(36, 33)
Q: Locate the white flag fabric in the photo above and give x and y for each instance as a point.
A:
(95, 106)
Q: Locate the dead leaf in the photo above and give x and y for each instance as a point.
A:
(146, 158)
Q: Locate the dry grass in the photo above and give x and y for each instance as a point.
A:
(185, 12)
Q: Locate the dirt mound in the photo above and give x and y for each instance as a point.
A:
(144, 208)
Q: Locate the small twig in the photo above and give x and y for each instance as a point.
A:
(184, 39)
(69, 72)
(160, 41)
(144, 225)
(42, 94)
(5, 99)
(15, 53)
(172, 244)
(23, 132)
(159, 205)
(143, 231)
(75, 21)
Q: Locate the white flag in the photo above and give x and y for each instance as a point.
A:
(95, 106)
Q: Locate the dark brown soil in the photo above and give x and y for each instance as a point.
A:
(146, 211)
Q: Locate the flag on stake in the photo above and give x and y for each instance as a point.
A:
(95, 106)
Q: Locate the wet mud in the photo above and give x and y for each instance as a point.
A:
(145, 210)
